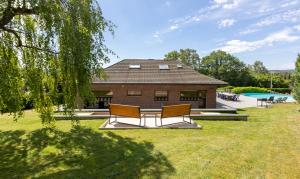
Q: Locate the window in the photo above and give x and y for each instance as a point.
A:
(161, 96)
(102, 101)
(192, 95)
(135, 66)
(103, 93)
(134, 93)
(163, 67)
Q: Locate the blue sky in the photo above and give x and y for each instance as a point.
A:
(266, 30)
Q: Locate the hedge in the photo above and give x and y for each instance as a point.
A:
(226, 88)
(281, 90)
(239, 90)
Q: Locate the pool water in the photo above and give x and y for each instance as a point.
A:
(268, 95)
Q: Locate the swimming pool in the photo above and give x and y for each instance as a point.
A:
(268, 95)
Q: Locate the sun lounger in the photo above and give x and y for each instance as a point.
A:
(180, 110)
(284, 99)
(271, 99)
(119, 110)
(236, 97)
(279, 100)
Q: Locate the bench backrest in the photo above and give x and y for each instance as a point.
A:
(175, 110)
(125, 110)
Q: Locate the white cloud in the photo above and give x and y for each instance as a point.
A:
(174, 27)
(289, 3)
(215, 10)
(248, 31)
(288, 16)
(281, 36)
(227, 4)
(239, 46)
(226, 23)
(297, 27)
(157, 37)
(220, 1)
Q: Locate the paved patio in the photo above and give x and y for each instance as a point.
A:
(243, 102)
(149, 123)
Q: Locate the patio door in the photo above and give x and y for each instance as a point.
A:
(104, 101)
(197, 98)
(202, 99)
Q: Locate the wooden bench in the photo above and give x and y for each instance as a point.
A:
(180, 110)
(119, 110)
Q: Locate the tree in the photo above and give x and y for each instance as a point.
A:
(224, 66)
(258, 68)
(187, 56)
(296, 87)
(49, 42)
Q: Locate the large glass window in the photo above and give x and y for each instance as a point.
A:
(192, 95)
(134, 93)
(103, 98)
(161, 96)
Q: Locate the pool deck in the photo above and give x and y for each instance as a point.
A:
(243, 102)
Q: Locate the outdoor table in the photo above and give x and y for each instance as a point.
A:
(151, 114)
(261, 101)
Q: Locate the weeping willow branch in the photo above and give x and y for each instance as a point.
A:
(48, 42)
(10, 12)
(20, 43)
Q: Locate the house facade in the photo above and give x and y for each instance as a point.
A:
(154, 83)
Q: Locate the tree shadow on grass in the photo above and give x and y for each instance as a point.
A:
(79, 153)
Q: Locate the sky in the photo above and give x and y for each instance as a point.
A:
(265, 30)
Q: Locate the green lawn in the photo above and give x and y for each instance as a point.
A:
(266, 146)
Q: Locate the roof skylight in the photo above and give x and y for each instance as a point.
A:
(135, 66)
(179, 66)
(163, 67)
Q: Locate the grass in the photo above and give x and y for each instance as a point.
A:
(266, 146)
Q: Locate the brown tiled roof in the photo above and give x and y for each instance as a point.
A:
(150, 73)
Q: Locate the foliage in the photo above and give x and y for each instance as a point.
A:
(281, 90)
(264, 80)
(187, 56)
(45, 43)
(239, 90)
(224, 66)
(226, 88)
(296, 87)
(258, 67)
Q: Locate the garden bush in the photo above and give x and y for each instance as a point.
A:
(281, 90)
(250, 89)
(226, 88)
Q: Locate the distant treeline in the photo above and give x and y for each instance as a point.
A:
(226, 67)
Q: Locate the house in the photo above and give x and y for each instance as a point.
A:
(153, 83)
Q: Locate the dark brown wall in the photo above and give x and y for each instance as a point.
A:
(146, 100)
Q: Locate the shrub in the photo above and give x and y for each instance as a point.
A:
(226, 88)
(239, 90)
(281, 90)
(27, 101)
